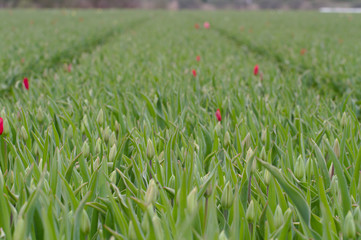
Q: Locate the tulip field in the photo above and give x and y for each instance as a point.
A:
(134, 124)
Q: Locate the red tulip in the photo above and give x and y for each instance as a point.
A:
(69, 67)
(194, 73)
(218, 115)
(206, 25)
(255, 70)
(198, 58)
(303, 51)
(26, 83)
(196, 26)
(1, 126)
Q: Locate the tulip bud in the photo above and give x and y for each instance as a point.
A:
(344, 120)
(263, 154)
(131, 232)
(349, 229)
(20, 229)
(40, 115)
(117, 126)
(299, 168)
(246, 143)
(6, 127)
(192, 203)
(152, 192)
(267, 177)
(24, 133)
(358, 219)
(171, 183)
(113, 177)
(218, 128)
(334, 186)
(157, 227)
(250, 213)
(106, 134)
(145, 223)
(208, 191)
(227, 196)
(336, 148)
(100, 117)
(85, 149)
(227, 139)
(112, 153)
(222, 236)
(278, 217)
(84, 223)
(96, 163)
(112, 139)
(98, 146)
(264, 135)
(70, 131)
(309, 167)
(150, 150)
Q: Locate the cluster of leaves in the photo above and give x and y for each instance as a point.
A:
(127, 144)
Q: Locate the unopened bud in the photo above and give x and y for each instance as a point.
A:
(70, 132)
(264, 135)
(349, 229)
(150, 150)
(250, 213)
(227, 196)
(85, 149)
(152, 192)
(112, 139)
(6, 127)
(171, 183)
(192, 203)
(40, 115)
(112, 153)
(100, 117)
(84, 223)
(131, 232)
(24, 133)
(344, 120)
(20, 229)
(267, 177)
(299, 168)
(113, 177)
(246, 143)
(227, 139)
(106, 134)
(98, 146)
(222, 236)
(278, 217)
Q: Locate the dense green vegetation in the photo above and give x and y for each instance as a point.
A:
(116, 137)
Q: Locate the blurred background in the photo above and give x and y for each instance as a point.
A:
(181, 4)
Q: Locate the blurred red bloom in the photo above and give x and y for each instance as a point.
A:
(198, 58)
(256, 70)
(218, 115)
(194, 73)
(69, 67)
(1, 126)
(303, 51)
(26, 83)
(196, 26)
(206, 25)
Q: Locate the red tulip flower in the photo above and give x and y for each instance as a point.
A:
(196, 26)
(194, 73)
(303, 51)
(1, 126)
(218, 115)
(256, 70)
(206, 25)
(26, 83)
(198, 58)
(69, 67)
